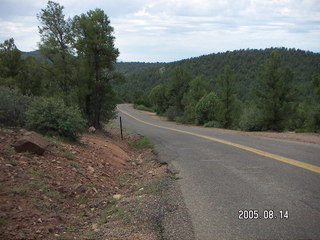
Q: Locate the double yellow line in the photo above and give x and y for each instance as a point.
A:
(296, 163)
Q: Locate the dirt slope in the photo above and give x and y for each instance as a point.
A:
(77, 191)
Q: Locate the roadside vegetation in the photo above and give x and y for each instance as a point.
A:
(67, 85)
(143, 142)
(252, 90)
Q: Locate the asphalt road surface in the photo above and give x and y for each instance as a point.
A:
(237, 186)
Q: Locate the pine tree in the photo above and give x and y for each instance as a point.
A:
(176, 87)
(227, 97)
(197, 89)
(56, 46)
(274, 93)
(95, 45)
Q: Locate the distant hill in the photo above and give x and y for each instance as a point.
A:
(128, 68)
(245, 63)
(142, 77)
(35, 53)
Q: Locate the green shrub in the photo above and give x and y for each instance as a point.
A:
(213, 124)
(142, 107)
(181, 119)
(143, 142)
(251, 119)
(13, 106)
(206, 108)
(172, 113)
(51, 116)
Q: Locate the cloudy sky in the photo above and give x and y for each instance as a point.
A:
(170, 30)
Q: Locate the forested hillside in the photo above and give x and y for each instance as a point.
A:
(36, 54)
(245, 64)
(271, 89)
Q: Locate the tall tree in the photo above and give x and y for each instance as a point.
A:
(10, 63)
(227, 97)
(275, 93)
(177, 86)
(316, 105)
(206, 109)
(198, 87)
(95, 45)
(56, 46)
(30, 80)
(158, 98)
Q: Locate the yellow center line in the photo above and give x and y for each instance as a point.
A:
(291, 161)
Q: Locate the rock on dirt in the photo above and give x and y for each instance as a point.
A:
(31, 142)
(92, 129)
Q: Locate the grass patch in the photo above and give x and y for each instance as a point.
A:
(138, 186)
(112, 124)
(36, 173)
(111, 210)
(122, 180)
(21, 190)
(74, 164)
(54, 194)
(156, 186)
(68, 155)
(113, 201)
(4, 220)
(40, 205)
(55, 140)
(83, 199)
(91, 234)
(143, 142)
(9, 151)
(42, 186)
(50, 192)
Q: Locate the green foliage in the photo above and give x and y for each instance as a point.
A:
(197, 89)
(274, 93)
(245, 63)
(141, 99)
(142, 108)
(176, 87)
(56, 40)
(95, 45)
(251, 118)
(158, 98)
(206, 109)
(315, 110)
(30, 78)
(143, 142)
(213, 124)
(10, 59)
(316, 87)
(51, 116)
(227, 97)
(13, 106)
(76, 65)
(172, 113)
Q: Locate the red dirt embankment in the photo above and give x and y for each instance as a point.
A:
(70, 192)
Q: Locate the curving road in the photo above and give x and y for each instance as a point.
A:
(273, 186)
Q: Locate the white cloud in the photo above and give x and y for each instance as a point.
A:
(167, 30)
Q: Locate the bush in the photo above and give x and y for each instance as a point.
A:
(172, 113)
(251, 119)
(206, 108)
(13, 106)
(51, 116)
(143, 142)
(142, 108)
(213, 124)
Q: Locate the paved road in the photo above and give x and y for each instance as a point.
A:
(224, 172)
